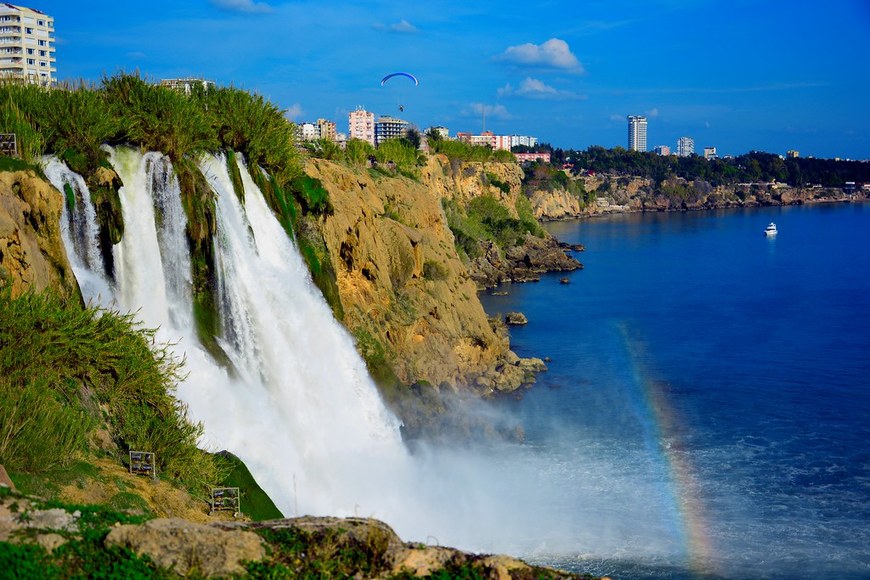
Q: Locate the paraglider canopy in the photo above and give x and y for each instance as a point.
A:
(400, 74)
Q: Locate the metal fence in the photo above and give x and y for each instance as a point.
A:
(8, 145)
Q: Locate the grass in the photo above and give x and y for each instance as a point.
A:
(468, 152)
(66, 369)
(254, 501)
(486, 219)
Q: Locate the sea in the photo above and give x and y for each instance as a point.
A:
(706, 409)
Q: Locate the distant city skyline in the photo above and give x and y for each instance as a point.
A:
(743, 75)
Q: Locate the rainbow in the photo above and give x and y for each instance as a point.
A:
(681, 484)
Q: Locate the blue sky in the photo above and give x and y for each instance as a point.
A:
(739, 75)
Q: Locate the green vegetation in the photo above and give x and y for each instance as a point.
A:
(84, 555)
(750, 167)
(66, 370)
(325, 554)
(73, 122)
(486, 219)
(496, 182)
(547, 177)
(467, 152)
(254, 502)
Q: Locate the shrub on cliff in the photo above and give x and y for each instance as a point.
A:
(18, 107)
(468, 152)
(65, 370)
(158, 118)
(251, 125)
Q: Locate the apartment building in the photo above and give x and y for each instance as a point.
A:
(389, 127)
(637, 133)
(27, 45)
(187, 84)
(361, 125)
(326, 129)
(685, 147)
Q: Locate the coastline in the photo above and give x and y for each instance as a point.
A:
(604, 206)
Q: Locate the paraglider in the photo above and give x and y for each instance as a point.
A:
(400, 74)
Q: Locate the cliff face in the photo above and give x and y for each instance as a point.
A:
(31, 252)
(626, 194)
(406, 294)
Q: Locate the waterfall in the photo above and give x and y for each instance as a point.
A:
(299, 407)
(305, 413)
(80, 231)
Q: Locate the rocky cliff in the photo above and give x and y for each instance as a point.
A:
(406, 293)
(31, 252)
(614, 194)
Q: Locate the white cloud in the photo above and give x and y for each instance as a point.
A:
(535, 89)
(554, 53)
(652, 113)
(491, 111)
(248, 6)
(294, 111)
(402, 26)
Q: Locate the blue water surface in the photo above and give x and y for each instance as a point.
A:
(737, 366)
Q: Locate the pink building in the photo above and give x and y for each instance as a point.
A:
(529, 157)
(361, 125)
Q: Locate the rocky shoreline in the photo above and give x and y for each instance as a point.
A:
(616, 195)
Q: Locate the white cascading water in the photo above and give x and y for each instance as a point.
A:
(305, 414)
(299, 407)
(80, 232)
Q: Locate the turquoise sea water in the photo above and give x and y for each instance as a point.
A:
(712, 386)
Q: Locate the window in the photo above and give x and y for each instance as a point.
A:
(30, 50)
(31, 61)
(40, 22)
(41, 53)
(42, 43)
(43, 63)
(28, 30)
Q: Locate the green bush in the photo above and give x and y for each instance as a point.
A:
(249, 124)
(159, 118)
(60, 362)
(19, 106)
(357, 152)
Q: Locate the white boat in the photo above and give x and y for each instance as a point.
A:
(770, 230)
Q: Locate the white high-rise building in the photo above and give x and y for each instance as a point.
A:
(637, 133)
(361, 125)
(26, 45)
(685, 147)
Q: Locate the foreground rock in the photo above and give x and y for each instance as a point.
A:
(184, 546)
(172, 547)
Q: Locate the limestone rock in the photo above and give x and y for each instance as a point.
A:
(401, 282)
(31, 251)
(189, 547)
(516, 318)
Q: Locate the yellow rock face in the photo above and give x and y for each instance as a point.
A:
(399, 276)
(31, 253)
